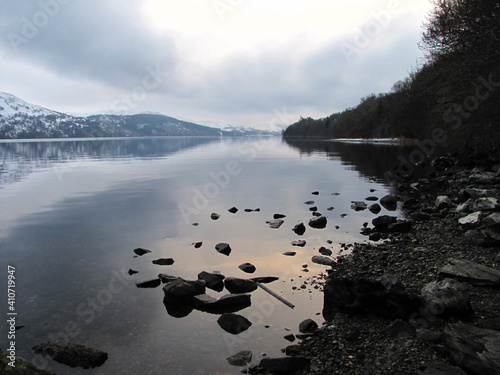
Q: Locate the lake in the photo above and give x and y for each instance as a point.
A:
(73, 211)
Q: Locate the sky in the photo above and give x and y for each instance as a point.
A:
(257, 63)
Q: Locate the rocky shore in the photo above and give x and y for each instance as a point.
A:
(425, 298)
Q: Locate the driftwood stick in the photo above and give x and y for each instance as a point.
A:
(278, 297)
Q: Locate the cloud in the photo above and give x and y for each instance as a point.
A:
(104, 41)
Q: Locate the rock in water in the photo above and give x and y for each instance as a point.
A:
(299, 229)
(389, 202)
(233, 323)
(382, 222)
(214, 281)
(72, 355)
(358, 206)
(242, 358)
(247, 267)
(214, 216)
(140, 251)
(183, 289)
(275, 223)
(236, 286)
(325, 251)
(149, 284)
(318, 222)
(223, 248)
(164, 261)
(233, 210)
(265, 279)
(308, 326)
(322, 260)
(375, 208)
(300, 243)
(226, 304)
(475, 349)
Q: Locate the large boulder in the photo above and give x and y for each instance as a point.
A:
(474, 349)
(73, 355)
(469, 272)
(236, 286)
(446, 299)
(385, 297)
(183, 289)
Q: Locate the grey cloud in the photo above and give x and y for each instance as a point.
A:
(97, 40)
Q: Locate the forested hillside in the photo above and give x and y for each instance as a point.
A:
(454, 93)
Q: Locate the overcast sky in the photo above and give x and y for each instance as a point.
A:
(247, 62)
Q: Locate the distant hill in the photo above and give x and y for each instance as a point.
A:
(22, 120)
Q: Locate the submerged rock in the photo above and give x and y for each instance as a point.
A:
(240, 359)
(325, 251)
(73, 355)
(275, 223)
(233, 323)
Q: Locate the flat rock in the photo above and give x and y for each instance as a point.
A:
(290, 253)
(470, 221)
(140, 251)
(233, 210)
(227, 304)
(278, 216)
(149, 284)
(469, 272)
(240, 359)
(485, 204)
(299, 243)
(299, 229)
(265, 279)
(197, 245)
(445, 299)
(165, 279)
(318, 259)
(223, 248)
(247, 267)
(475, 349)
(275, 223)
(214, 281)
(164, 261)
(72, 355)
(318, 222)
(236, 286)
(233, 323)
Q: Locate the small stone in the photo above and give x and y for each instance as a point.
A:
(140, 251)
(214, 216)
(315, 193)
(358, 206)
(223, 248)
(325, 251)
(322, 260)
(290, 337)
(278, 216)
(470, 221)
(289, 253)
(299, 243)
(299, 229)
(443, 202)
(164, 261)
(375, 208)
(247, 267)
(275, 223)
(132, 272)
(389, 202)
(233, 210)
(197, 245)
(318, 222)
(308, 326)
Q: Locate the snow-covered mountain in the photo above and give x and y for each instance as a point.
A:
(237, 129)
(19, 119)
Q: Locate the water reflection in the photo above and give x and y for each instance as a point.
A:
(372, 161)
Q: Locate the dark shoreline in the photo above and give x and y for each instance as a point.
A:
(363, 343)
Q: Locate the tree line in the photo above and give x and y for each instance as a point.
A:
(456, 89)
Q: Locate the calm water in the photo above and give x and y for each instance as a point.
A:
(73, 211)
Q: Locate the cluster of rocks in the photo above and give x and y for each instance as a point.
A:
(424, 298)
